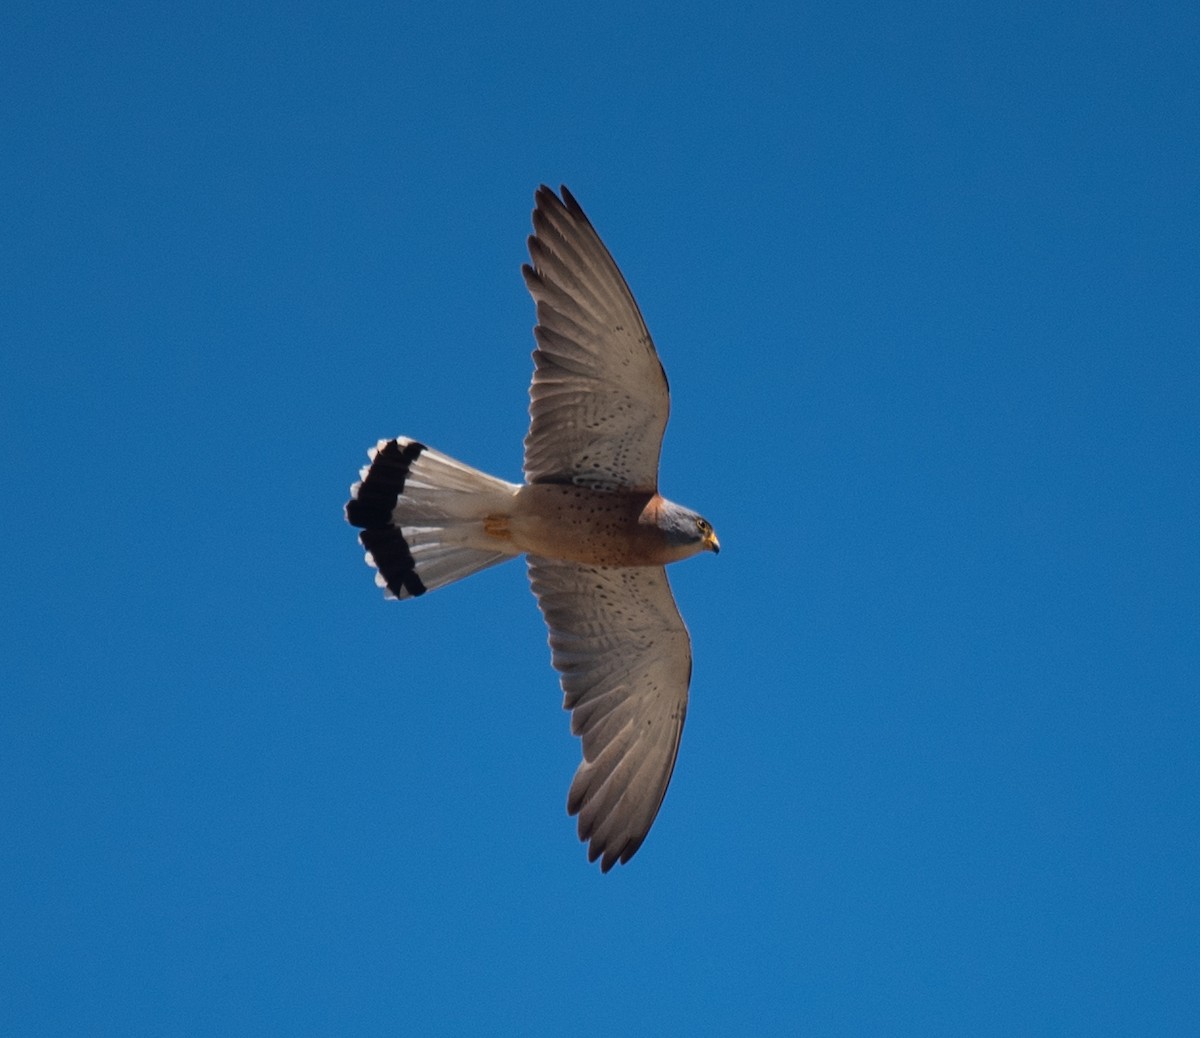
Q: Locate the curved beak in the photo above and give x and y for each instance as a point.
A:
(712, 544)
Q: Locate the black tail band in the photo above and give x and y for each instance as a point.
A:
(389, 550)
(373, 503)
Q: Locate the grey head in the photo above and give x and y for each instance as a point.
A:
(684, 528)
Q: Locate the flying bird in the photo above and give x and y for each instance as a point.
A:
(589, 519)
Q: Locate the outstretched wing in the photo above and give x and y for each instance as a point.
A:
(618, 641)
(599, 398)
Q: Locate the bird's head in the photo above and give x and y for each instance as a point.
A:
(687, 532)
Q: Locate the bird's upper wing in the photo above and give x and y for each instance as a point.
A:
(625, 658)
(599, 398)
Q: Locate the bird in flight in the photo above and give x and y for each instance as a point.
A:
(596, 533)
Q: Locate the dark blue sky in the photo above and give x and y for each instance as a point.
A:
(925, 280)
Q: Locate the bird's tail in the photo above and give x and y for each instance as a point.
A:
(424, 517)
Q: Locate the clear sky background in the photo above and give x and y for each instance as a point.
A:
(925, 279)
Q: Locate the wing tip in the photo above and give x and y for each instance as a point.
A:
(601, 846)
(546, 198)
(569, 200)
(610, 855)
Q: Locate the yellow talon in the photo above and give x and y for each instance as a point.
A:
(497, 526)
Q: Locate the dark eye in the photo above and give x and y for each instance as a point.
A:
(703, 527)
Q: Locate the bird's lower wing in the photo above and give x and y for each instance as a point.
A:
(618, 641)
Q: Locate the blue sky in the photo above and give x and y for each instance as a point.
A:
(925, 279)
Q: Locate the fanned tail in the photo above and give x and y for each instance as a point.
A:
(422, 516)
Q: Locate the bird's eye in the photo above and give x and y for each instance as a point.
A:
(703, 526)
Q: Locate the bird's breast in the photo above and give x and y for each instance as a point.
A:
(581, 524)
